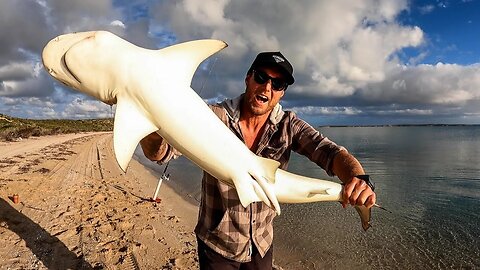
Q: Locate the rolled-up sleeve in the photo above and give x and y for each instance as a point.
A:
(309, 142)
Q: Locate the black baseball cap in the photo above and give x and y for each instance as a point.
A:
(268, 59)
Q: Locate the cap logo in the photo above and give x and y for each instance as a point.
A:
(278, 59)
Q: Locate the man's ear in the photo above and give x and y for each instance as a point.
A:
(247, 78)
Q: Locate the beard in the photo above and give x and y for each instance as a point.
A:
(258, 107)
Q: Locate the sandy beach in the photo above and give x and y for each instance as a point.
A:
(78, 210)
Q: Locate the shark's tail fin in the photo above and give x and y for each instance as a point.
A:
(365, 215)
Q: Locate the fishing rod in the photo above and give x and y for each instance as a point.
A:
(164, 176)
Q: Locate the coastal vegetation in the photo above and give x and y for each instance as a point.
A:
(14, 129)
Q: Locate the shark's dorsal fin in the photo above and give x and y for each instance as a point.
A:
(186, 57)
(130, 126)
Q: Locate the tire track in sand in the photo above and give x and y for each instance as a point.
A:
(88, 213)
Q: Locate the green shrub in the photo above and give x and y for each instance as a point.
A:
(12, 129)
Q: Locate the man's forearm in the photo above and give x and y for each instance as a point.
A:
(356, 191)
(346, 166)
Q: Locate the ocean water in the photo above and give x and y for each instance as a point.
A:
(427, 176)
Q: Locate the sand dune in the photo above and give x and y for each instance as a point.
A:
(77, 210)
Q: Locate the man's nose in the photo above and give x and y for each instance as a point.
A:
(268, 85)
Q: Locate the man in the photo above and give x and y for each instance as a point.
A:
(229, 235)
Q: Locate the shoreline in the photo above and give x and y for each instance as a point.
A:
(78, 210)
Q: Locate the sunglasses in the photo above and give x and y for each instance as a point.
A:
(261, 77)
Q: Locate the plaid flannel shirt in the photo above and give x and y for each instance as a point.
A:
(223, 223)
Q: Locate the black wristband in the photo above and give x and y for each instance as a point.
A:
(366, 178)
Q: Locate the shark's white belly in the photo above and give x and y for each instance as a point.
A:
(201, 136)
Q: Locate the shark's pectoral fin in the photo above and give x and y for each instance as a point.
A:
(131, 125)
(252, 188)
(266, 178)
(269, 168)
(365, 214)
(248, 190)
(269, 191)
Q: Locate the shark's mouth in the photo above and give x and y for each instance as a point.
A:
(67, 70)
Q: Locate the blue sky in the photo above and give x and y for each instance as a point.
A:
(451, 28)
(356, 62)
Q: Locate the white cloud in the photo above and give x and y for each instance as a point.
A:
(344, 51)
(29, 107)
(118, 23)
(72, 15)
(15, 71)
(26, 27)
(448, 84)
(312, 110)
(343, 45)
(412, 112)
(426, 9)
(81, 108)
(24, 79)
(209, 13)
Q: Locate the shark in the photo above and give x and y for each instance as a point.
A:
(152, 92)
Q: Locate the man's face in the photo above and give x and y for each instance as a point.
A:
(261, 94)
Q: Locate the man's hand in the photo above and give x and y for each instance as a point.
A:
(357, 192)
(153, 146)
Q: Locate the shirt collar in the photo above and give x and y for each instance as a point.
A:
(233, 110)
